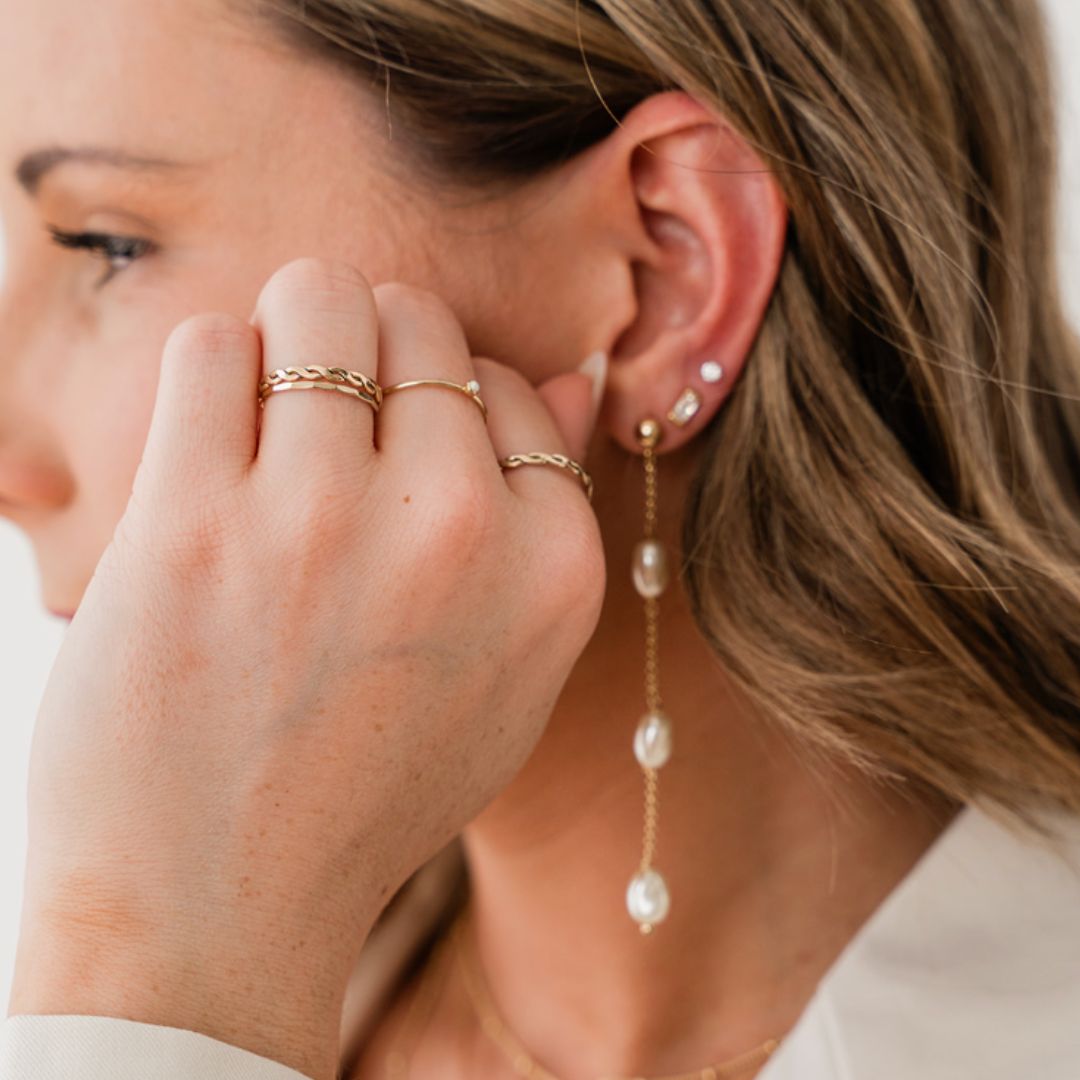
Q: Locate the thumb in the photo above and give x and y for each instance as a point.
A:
(574, 399)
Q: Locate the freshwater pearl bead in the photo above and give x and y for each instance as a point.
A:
(647, 898)
(650, 568)
(652, 740)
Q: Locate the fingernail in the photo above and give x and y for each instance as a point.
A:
(595, 366)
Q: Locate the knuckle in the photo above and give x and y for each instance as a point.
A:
(583, 539)
(328, 283)
(194, 542)
(592, 575)
(574, 567)
(462, 522)
(209, 334)
(496, 377)
(320, 519)
(506, 375)
(417, 305)
(486, 367)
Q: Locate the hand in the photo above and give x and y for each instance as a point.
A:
(311, 653)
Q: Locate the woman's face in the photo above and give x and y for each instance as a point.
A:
(247, 155)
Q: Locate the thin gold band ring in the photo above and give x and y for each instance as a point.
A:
(316, 376)
(516, 461)
(471, 389)
(352, 391)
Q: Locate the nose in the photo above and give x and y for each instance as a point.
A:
(34, 478)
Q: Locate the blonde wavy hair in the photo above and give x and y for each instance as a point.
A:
(882, 540)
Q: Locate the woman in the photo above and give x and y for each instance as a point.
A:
(802, 252)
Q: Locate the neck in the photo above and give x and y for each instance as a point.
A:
(772, 864)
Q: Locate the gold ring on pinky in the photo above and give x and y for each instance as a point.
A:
(316, 376)
(515, 461)
(471, 389)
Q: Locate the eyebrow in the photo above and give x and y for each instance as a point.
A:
(32, 168)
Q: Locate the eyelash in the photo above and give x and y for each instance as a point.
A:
(111, 247)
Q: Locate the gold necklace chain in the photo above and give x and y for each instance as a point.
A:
(450, 950)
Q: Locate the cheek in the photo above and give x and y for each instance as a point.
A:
(109, 415)
(114, 380)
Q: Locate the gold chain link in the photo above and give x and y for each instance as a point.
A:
(652, 654)
(652, 816)
(652, 666)
(451, 949)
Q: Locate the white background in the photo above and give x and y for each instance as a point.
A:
(29, 637)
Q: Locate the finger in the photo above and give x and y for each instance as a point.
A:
(520, 421)
(205, 418)
(563, 399)
(569, 399)
(421, 338)
(322, 312)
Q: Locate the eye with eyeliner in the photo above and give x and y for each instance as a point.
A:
(104, 245)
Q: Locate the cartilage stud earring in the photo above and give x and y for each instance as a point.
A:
(685, 408)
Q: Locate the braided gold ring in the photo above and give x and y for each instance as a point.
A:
(318, 377)
(471, 389)
(516, 461)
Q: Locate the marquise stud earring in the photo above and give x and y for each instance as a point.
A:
(647, 897)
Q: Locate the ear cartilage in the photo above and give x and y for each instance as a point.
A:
(711, 372)
(685, 408)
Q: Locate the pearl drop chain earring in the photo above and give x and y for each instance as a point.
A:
(647, 897)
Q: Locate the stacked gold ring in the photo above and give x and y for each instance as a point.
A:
(358, 385)
(317, 377)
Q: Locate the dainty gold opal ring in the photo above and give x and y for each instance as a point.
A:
(318, 377)
(516, 461)
(471, 389)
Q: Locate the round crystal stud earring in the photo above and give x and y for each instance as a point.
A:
(711, 371)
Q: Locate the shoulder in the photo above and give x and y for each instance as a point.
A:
(970, 967)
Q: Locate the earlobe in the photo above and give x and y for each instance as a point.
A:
(714, 220)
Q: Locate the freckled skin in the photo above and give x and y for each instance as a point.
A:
(291, 159)
(155, 85)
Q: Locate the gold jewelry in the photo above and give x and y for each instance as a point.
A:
(686, 407)
(318, 377)
(352, 391)
(471, 389)
(515, 461)
(524, 1064)
(647, 897)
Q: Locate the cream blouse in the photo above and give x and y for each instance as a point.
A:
(969, 969)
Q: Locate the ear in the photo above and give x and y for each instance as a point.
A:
(705, 223)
